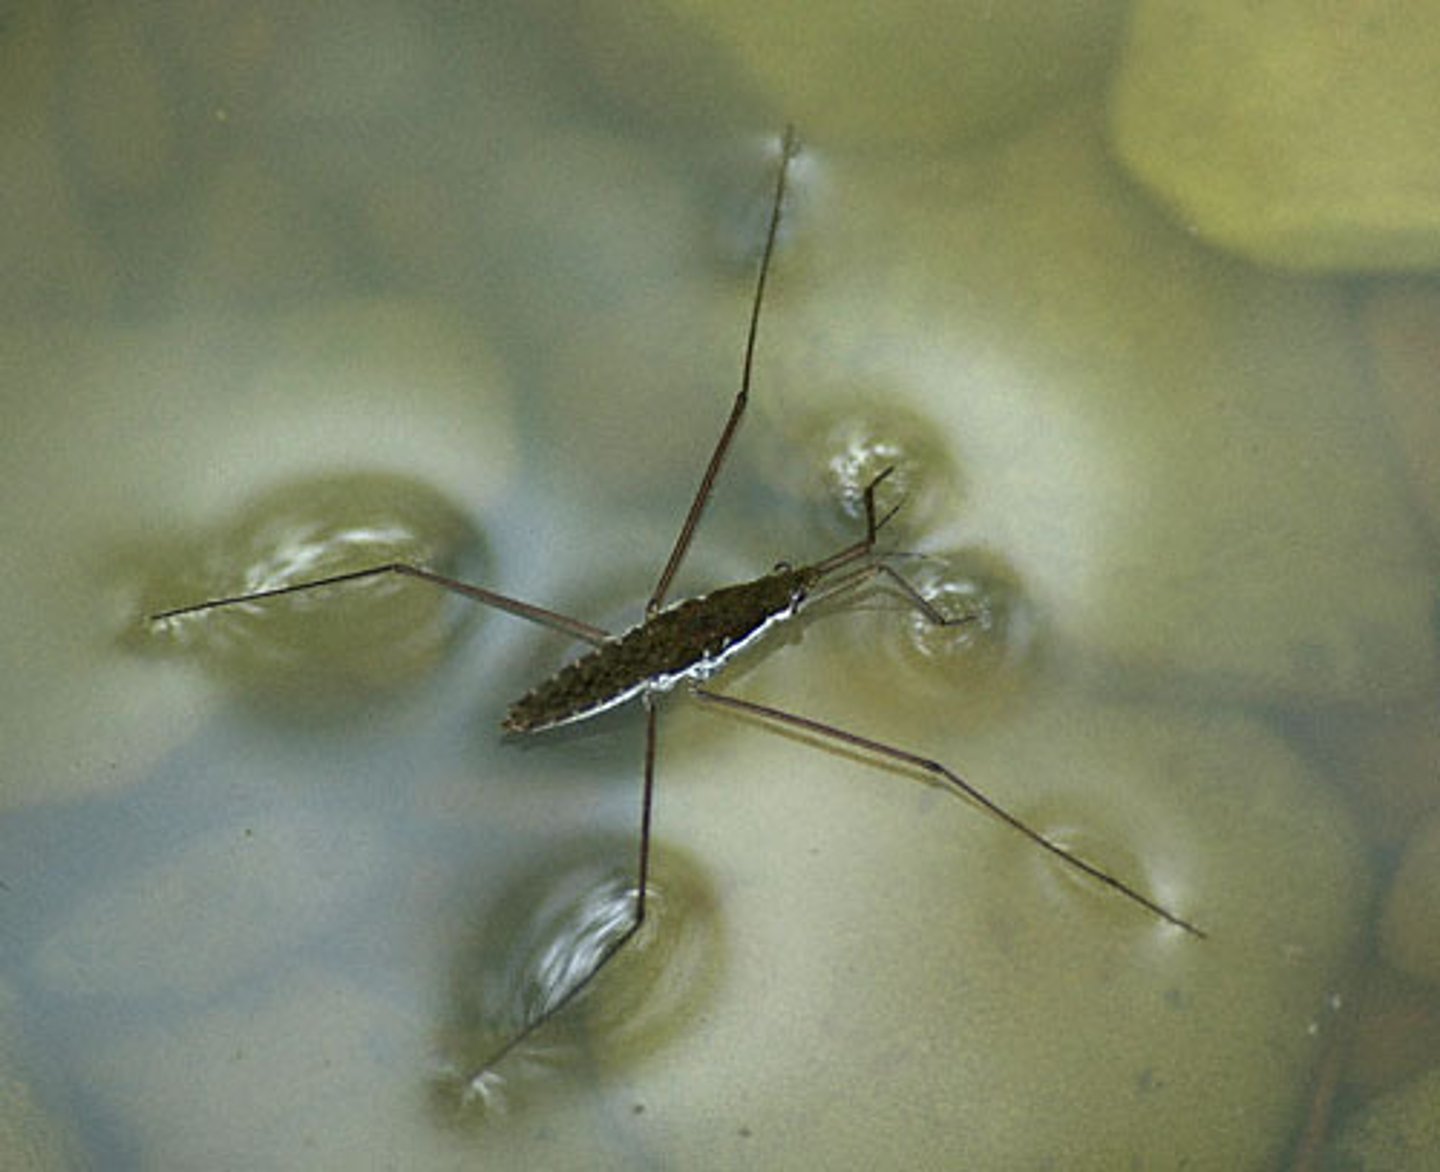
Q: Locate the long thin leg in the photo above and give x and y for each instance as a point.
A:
(642, 878)
(863, 549)
(856, 578)
(919, 601)
(860, 550)
(525, 610)
(935, 769)
(647, 802)
(788, 148)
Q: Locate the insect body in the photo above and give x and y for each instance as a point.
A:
(694, 638)
(688, 642)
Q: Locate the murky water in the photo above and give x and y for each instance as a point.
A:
(304, 294)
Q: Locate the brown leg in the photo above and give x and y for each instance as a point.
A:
(788, 148)
(485, 1074)
(525, 610)
(904, 757)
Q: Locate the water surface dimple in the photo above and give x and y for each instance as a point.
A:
(338, 642)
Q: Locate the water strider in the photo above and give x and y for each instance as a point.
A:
(688, 642)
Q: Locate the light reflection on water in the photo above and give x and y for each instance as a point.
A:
(578, 921)
(560, 916)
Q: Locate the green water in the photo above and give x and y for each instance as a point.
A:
(413, 289)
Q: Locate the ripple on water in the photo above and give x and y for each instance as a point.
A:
(331, 644)
(542, 938)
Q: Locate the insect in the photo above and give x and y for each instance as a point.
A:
(687, 642)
